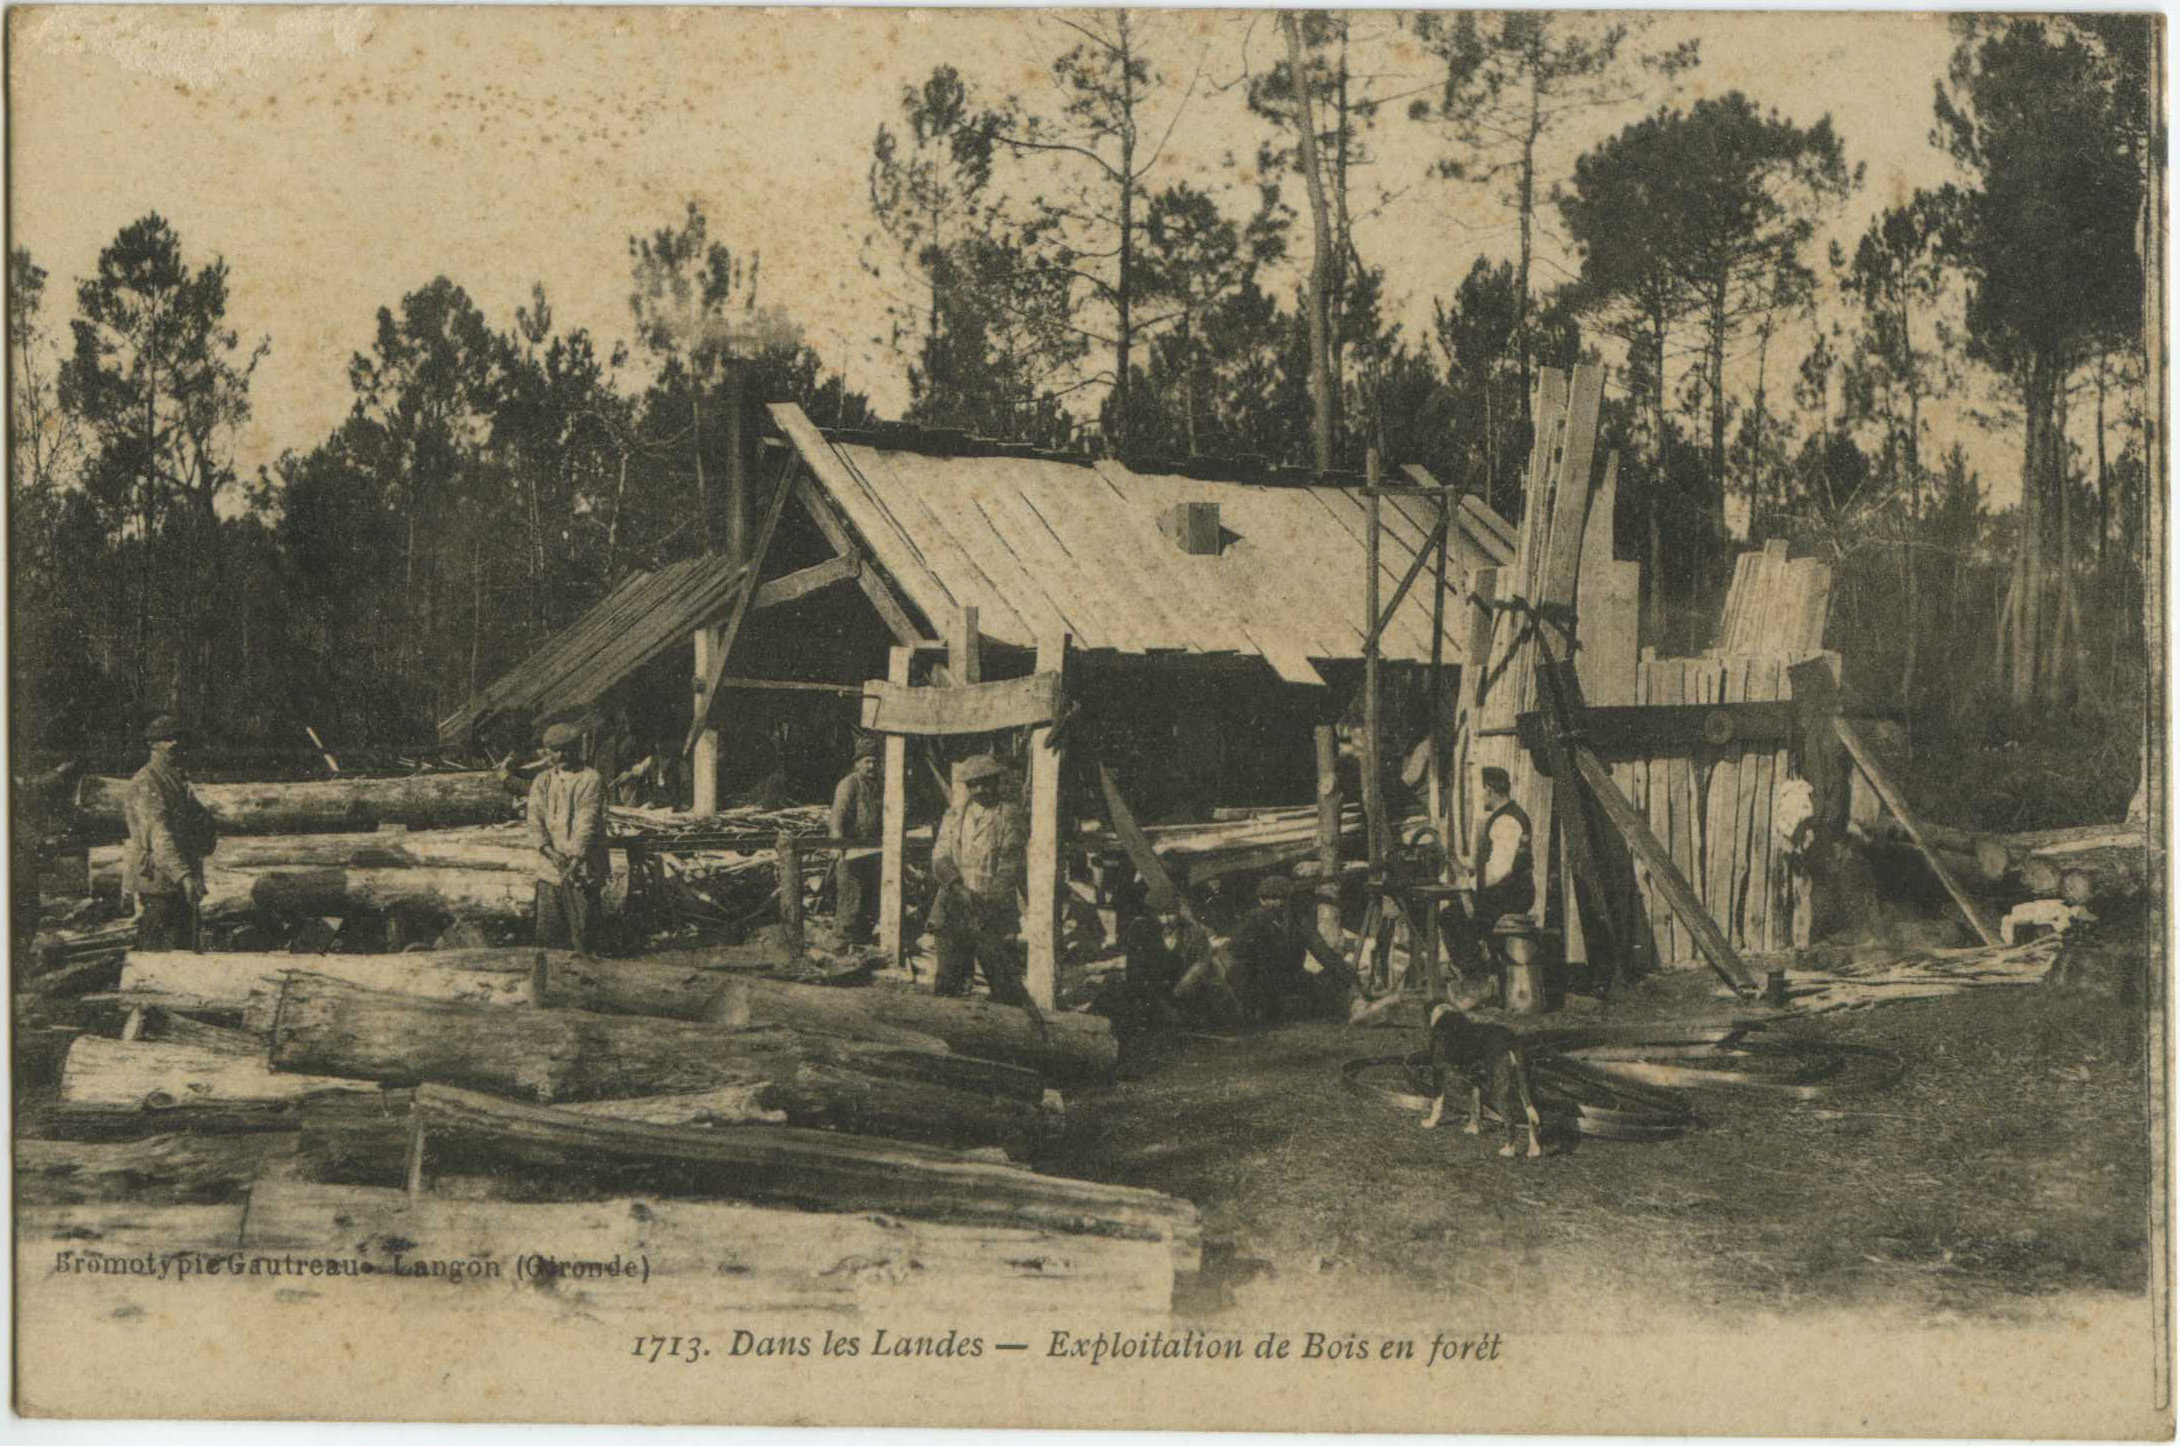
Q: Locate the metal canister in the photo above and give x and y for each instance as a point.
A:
(1522, 965)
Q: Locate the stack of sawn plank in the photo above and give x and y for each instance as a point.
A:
(816, 1145)
(1713, 809)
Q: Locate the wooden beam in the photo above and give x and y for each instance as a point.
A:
(893, 826)
(1670, 880)
(798, 585)
(724, 643)
(1867, 762)
(795, 685)
(964, 652)
(1431, 545)
(891, 610)
(971, 708)
(1041, 920)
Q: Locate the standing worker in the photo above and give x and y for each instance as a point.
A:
(170, 833)
(858, 809)
(568, 830)
(980, 860)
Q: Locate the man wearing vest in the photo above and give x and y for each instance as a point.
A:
(979, 861)
(1505, 874)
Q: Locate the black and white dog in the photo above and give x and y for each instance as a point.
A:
(1486, 1057)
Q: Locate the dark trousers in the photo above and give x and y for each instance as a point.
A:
(551, 915)
(166, 923)
(973, 934)
(855, 897)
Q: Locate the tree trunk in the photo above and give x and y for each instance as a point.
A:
(325, 1026)
(319, 806)
(250, 983)
(151, 1076)
(162, 1169)
(781, 1260)
(1320, 252)
(2087, 871)
(816, 1171)
(343, 893)
(1066, 1047)
(696, 993)
(448, 849)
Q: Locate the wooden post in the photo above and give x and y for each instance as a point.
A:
(964, 665)
(1441, 724)
(704, 761)
(893, 837)
(1328, 831)
(787, 858)
(1373, 778)
(1041, 920)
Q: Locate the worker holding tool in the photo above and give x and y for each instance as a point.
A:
(170, 834)
(979, 861)
(858, 809)
(1265, 960)
(568, 830)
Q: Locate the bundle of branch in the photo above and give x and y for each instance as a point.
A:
(325, 1026)
(1927, 974)
(430, 800)
(784, 1165)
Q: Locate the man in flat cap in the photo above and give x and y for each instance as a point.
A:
(979, 861)
(170, 833)
(568, 830)
(1266, 959)
(858, 810)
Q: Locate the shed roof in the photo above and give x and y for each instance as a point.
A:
(636, 622)
(1041, 544)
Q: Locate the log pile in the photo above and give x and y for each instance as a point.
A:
(2084, 865)
(827, 1147)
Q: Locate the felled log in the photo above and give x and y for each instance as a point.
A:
(813, 1170)
(131, 1227)
(777, 1259)
(487, 850)
(139, 1076)
(2003, 856)
(296, 893)
(1068, 1046)
(249, 983)
(670, 991)
(2084, 872)
(429, 800)
(324, 1026)
(161, 1169)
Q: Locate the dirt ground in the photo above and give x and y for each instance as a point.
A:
(2011, 1162)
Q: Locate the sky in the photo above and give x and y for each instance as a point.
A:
(339, 158)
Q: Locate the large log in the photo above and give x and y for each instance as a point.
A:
(163, 1169)
(250, 982)
(299, 893)
(324, 1026)
(810, 1169)
(671, 991)
(430, 800)
(1063, 1047)
(489, 850)
(2082, 873)
(777, 1259)
(153, 1075)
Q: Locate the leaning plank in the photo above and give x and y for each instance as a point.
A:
(1684, 903)
(320, 806)
(325, 1026)
(1063, 1047)
(1880, 781)
(817, 1171)
(777, 1259)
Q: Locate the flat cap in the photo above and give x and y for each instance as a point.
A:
(981, 767)
(1498, 778)
(867, 745)
(164, 728)
(560, 735)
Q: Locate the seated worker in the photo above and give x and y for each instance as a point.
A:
(978, 861)
(1171, 973)
(1265, 960)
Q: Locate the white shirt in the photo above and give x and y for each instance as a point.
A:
(1505, 844)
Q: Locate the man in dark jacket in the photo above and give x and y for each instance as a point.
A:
(858, 812)
(170, 834)
(1267, 950)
